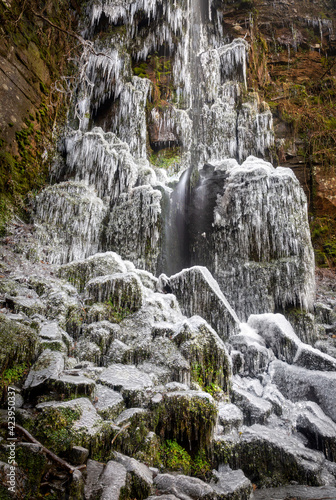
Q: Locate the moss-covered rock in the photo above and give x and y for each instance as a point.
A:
(17, 351)
(62, 425)
(122, 291)
(82, 271)
(188, 417)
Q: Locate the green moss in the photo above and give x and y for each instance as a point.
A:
(17, 350)
(54, 428)
(169, 158)
(176, 458)
(33, 463)
(185, 419)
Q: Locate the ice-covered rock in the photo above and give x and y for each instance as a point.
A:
(198, 293)
(105, 481)
(300, 384)
(256, 410)
(268, 455)
(258, 245)
(100, 264)
(122, 290)
(48, 367)
(255, 355)
(68, 218)
(189, 416)
(206, 352)
(229, 417)
(277, 333)
(319, 429)
(230, 484)
(128, 380)
(134, 227)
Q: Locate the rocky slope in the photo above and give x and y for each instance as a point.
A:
(159, 321)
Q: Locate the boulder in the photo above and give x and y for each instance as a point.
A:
(277, 333)
(63, 425)
(184, 487)
(300, 384)
(141, 477)
(48, 367)
(123, 291)
(106, 482)
(256, 356)
(270, 456)
(206, 352)
(313, 359)
(229, 417)
(319, 429)
(79, 272)
(255, 409)
(128, 380)
(199, 294)
(108, 403)
(231, 484)
(188, 416)
(79, 455)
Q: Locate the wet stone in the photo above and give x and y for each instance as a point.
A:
(108, 403)
(48, 366)
(231, 484)
(229, 416)
(79, 455)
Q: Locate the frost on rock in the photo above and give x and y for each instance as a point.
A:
(102, 160)
(81, 271)
(133, 228)
(68, 221)
(259, 249)
(122, 290)
(198, 293)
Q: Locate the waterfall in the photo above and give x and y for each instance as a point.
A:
(160, 118)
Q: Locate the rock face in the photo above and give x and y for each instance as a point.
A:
(126, 370)
(257, 244)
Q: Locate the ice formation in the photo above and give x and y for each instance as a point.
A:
(258, 248)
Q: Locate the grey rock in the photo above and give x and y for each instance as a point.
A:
(231, 484)
(319, 429)
(267, 452)
(299, 384)
(101, 333)
(229, 417)
(184, 487)
(162, 497)
(128, 414)
(141, 475)
(101, 264)
(277, 333)
(113, 480)
(298, 492)
(79, 455)
(324, 314)
(313, 359)
(255, 409)
(199, 294)
(71, 385)
(205, 351)
(326, 346)
(93, 486)
(124, 291)
(48, 366)
(256, 357)
(108, 403)
(128, 380)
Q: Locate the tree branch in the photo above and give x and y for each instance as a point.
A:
(50, 454)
